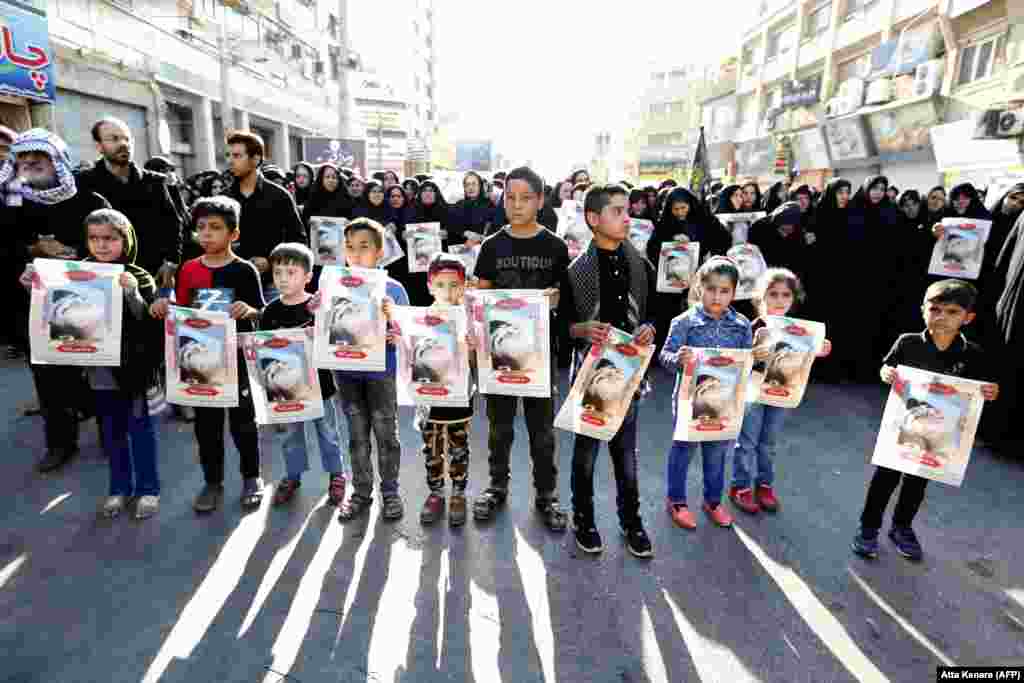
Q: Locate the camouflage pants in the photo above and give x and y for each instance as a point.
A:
(446, 440)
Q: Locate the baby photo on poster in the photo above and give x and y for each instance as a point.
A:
(782, 380)
(960, 251)
(677, 265)
(712, 394)
(751, 265)
(327, 240)
(351, 329)
(433, 356)
(286, 386)
(423, 240)
(517, 344)
(202, 366)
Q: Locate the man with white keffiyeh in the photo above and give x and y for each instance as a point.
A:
(611, 285)
(43, 217)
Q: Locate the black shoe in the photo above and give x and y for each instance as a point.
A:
(637, 541)
(55, 458)
(209, 498)
(906, 542)
(587, 538)
(865, 544)
(487, 502)
(554, 516)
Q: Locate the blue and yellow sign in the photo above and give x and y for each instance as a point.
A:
(26, 60)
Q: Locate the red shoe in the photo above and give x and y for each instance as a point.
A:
(681, 515)
(766, 498)
(336, 489)
(719, 515)
(744, 499)
(286, 490)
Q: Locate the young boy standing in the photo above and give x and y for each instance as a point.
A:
(369, 399)
(610, 285)
(941, 348)
(220, 274)
(291, 264)
(523, 255)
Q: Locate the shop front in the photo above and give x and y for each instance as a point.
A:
(960, 158)
(902, 136)
(27, 78)
(811, 163)
(755, 161)
(850, 148)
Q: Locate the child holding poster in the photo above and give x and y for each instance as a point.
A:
(611, 285)
(941, 348)
(369, 398)
(292, 266)
(215, 219)
(775, 294)
(710, 324)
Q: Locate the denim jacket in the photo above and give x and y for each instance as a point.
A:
(695, 328)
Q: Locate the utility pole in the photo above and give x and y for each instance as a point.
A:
(343, 113)
(227, 109)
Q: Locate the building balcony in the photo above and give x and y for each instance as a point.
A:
(859, 26)
(777, 68)
(813, 50)
(749, 80)
(907, 8)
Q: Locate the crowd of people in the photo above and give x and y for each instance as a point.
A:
(855, 258)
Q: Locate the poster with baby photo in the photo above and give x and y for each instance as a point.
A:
(514, 354)
(201, 354)
(351, 332)
(751, 265)
(433, 357)
(929, 424)
(640, 231)
(423, 241)
(604, 387)
(960, 251)
(572, 227)
(285, 385)
(468, 256)
(712, 394)
(393, 251)
(782, 380)
(327, 240)
(738, 224)
(75, 317)
(677, 266)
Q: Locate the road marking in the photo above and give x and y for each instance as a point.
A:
(7, 572)
(443, 585)
(815, 614)
(709, 659)
(535, 585)
(206, 602)
(906, 625)
(304, 603)
(276, 568)
(55, 502)
(396, 611)
(654, 662)
(484, 634)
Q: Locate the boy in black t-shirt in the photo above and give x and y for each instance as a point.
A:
(523, 255)
(221, 272)
(941, 348)
(291, 265)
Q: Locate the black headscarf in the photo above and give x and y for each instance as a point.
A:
(757, 196)
(636, 195)
(302, 195)
(364, 209)
(476, 215)
(724, 204)
(337, 204)
(976, 209)
(699, 226)
(782, 251)
(771, 200)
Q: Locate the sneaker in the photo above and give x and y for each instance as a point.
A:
(906, 542)
(457, 510)
(113, 506)
(252, 493)
(637, 541)
(587, 538)
(766, 498)
(336, 489)
(865, 544)
(146, 507)
(555, 518)
(433, 508)
(681, 515)
(209, 498)
(285, 491)
(488, 502)
(355, 506)
(743, 498)
(393, 507)
(718, 514)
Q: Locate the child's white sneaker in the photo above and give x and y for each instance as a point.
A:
(147, 507)
(113, 506)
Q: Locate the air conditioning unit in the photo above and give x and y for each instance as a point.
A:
(879, 92)
(928, 77)
(852, 90)
(1010, 124)
(840, 106)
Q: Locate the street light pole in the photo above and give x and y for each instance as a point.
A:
(227, 109)
(343, 113)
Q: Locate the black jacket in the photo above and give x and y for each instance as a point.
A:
(22, 225)
(269, 217)
(473, 215)
(145, 200)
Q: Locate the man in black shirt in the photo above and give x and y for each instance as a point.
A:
(523, 255)
(269, 215)
(610, 285)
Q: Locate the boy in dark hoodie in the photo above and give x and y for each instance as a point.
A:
(129, 439)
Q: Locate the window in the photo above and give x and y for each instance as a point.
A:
(772, 50)
(677, 107)
(855, 7)
(855, 68)
(818, 20)
(677, 76)
(977, 61)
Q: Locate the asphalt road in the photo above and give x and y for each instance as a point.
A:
(292, 595)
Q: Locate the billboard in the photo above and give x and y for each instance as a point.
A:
(663, 160)
(473, 155)
(342, 152)
(26, 60)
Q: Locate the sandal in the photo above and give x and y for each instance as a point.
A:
(487, 502)
(285, 490)
(554, 517)
(252, 493)
(356, 506)
(394, 508)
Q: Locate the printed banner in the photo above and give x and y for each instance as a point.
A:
(349, 153)
(751, 265)
(929, 424)
(677, 266)
(640, 231)
(327, 240)
(285, 385)
(962, 248)
(712, 394)
(423, 241)
(28, 57)
(76, 312)
(572, 227)
(782, 380)
(738, 224)
(604, 387)
(351, 332)
(468, 256)
(201, 354)
(393, 251)
(514, 343)
(433, 357)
